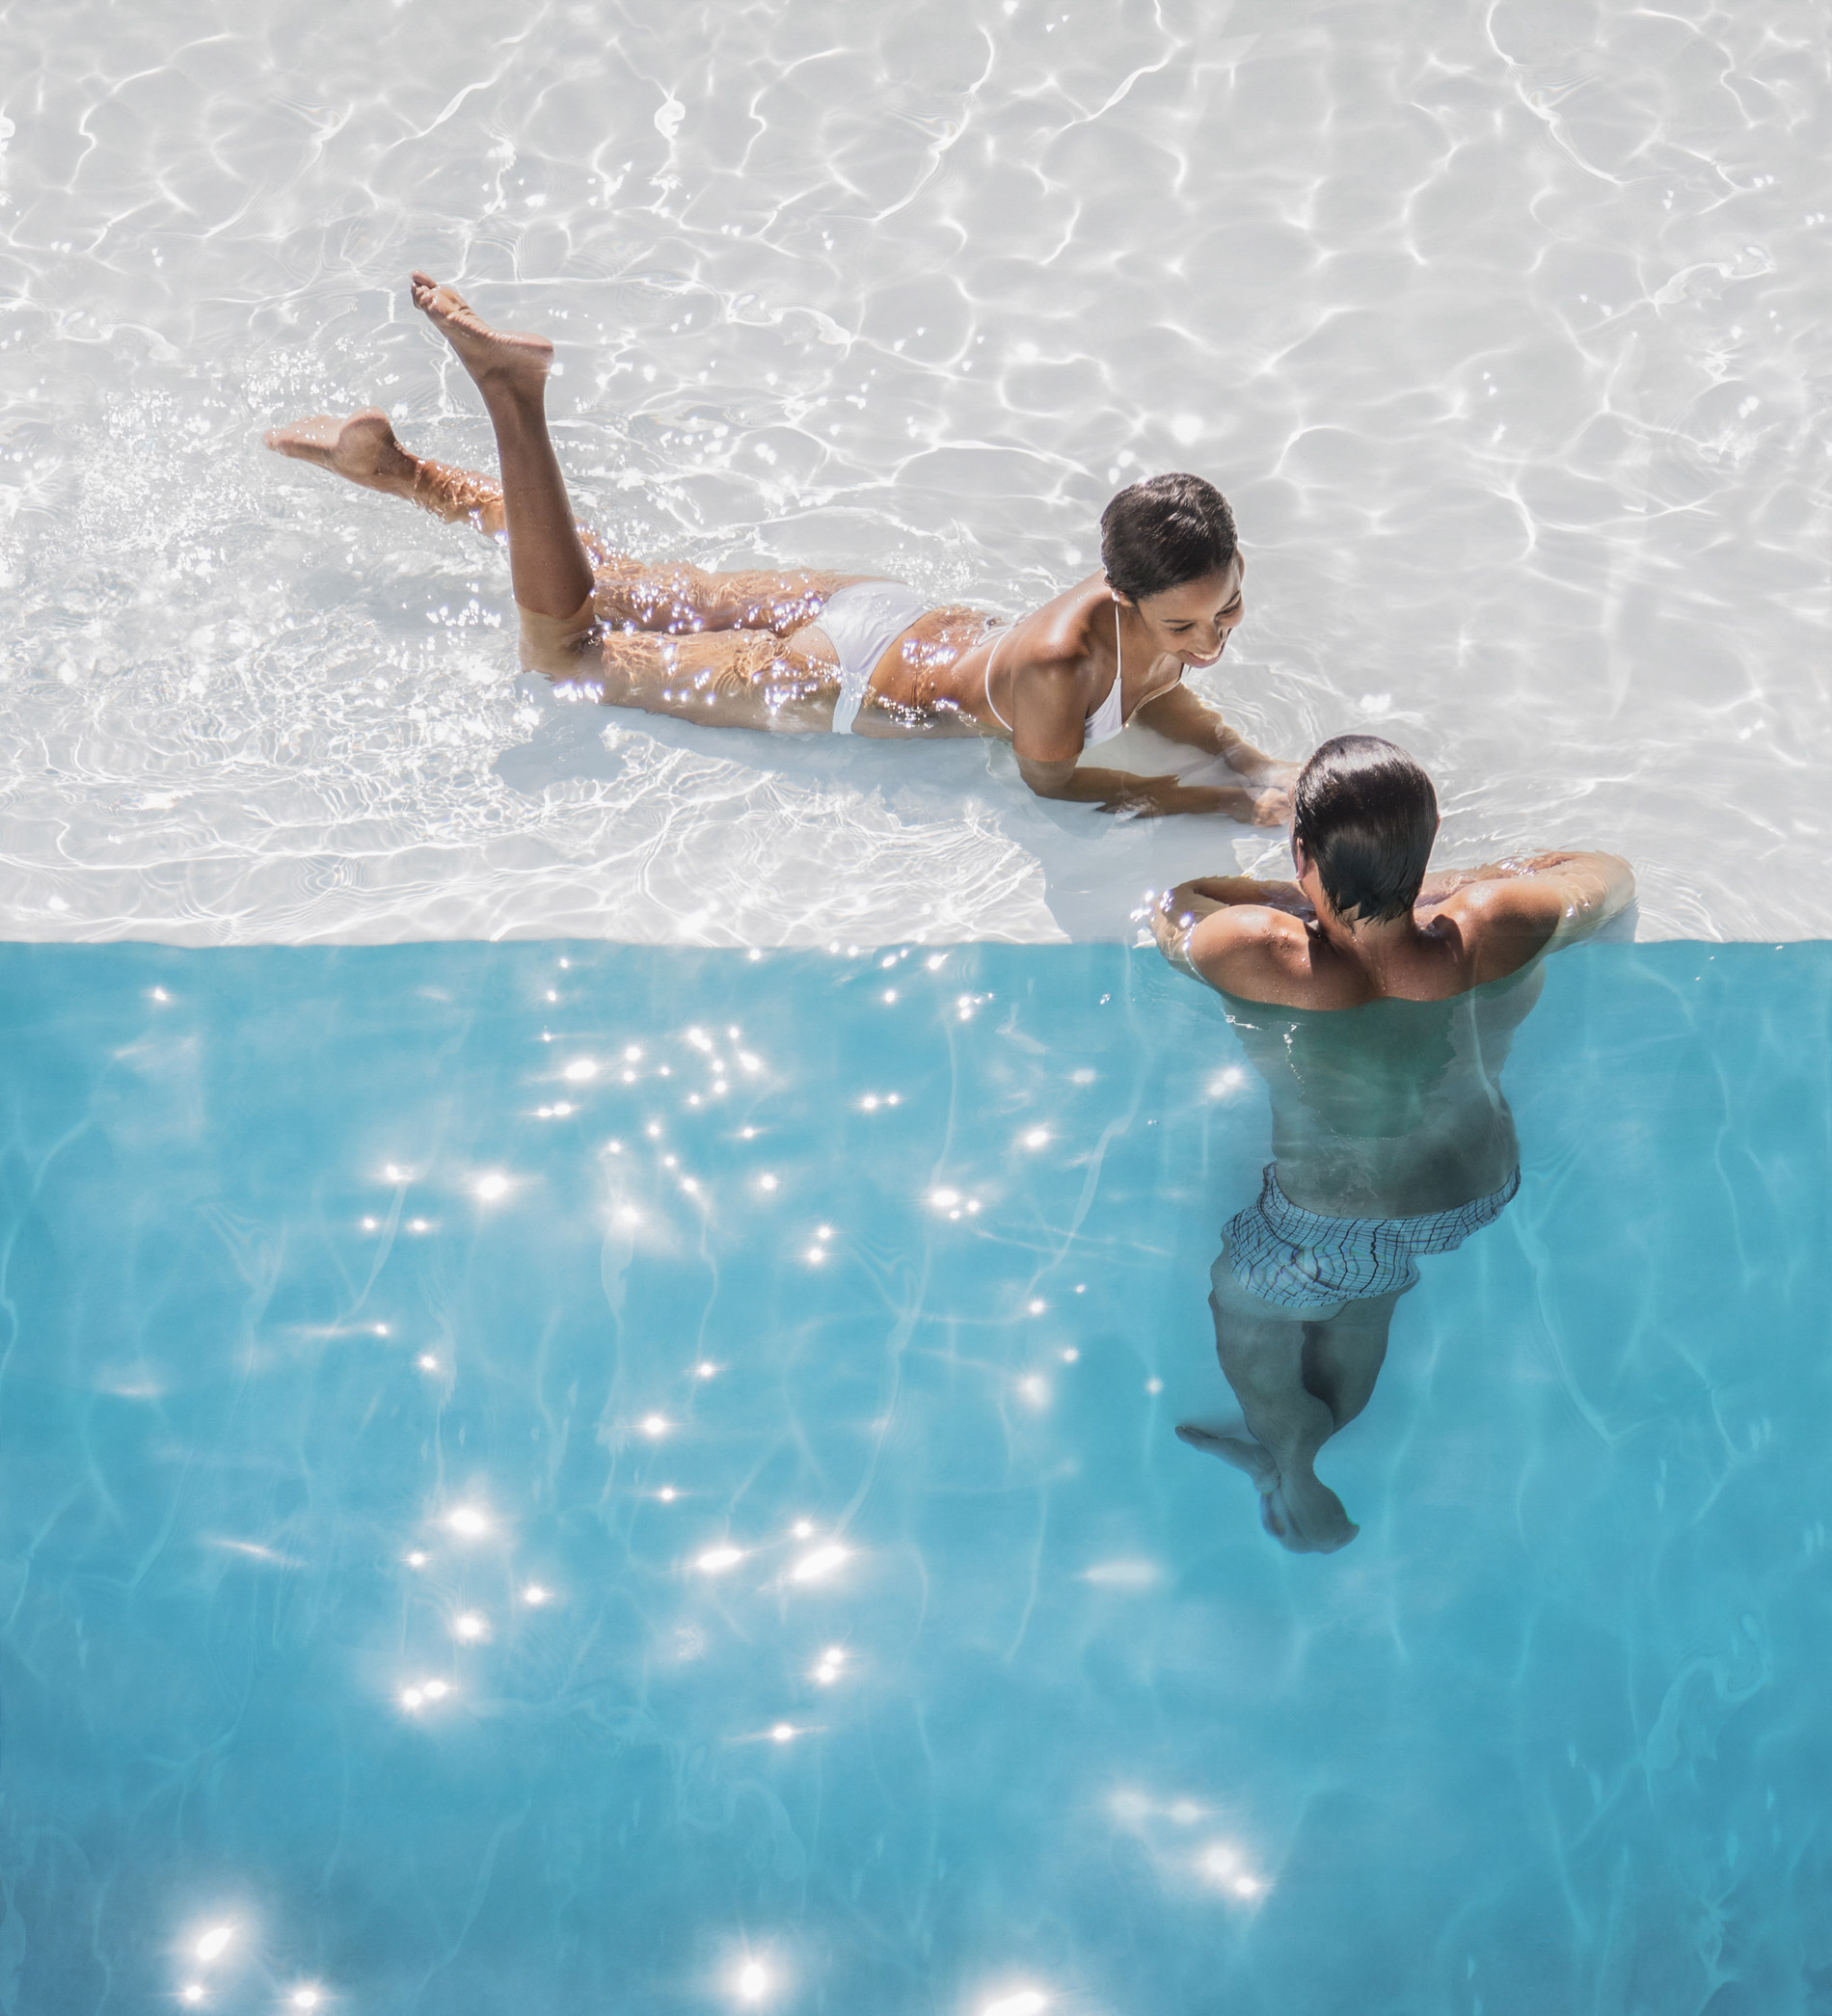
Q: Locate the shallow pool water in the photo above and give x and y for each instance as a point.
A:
(1502, 321)
(574, 1477)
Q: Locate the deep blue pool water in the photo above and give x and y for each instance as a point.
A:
(470, 1568)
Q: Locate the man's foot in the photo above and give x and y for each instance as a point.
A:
(1233, 1446)
(1319, 1524)
(497, 360)
(361, 448)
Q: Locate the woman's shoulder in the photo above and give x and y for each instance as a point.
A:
(1058, 635)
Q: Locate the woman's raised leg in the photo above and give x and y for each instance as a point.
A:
(365, 450)
(548, 565)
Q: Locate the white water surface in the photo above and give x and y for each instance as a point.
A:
(1502, 323)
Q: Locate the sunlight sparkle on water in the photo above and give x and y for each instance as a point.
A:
(210, 1946)
(752, 1982)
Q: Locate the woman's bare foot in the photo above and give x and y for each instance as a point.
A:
(496, 358)
(361, 448)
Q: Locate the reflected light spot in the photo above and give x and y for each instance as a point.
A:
(1124, 1574)
(420, 1224)
(1071, 1356)
(535, 1594)
(1248, 1886)
(580, 1071)
(393, 1172)
(654, 1130)
(783, 1732)
(1154, 1386)
(716, 1560)
(492, 1187)
(705, 1370)
(816, 1566)
(803, 1529)
(160, 994)
(653, 1425)
(944, 1199)
(629, 1215)
(815, 1256)
(471, 1627)
(1081, 1077)
(1037, 1308)
(1027, 2001)
(1037, 1137)
(753, 1982)
(368, 1225)
(936, 961)
(381, 1329)
(468, 1521)
(633, 1054)
(1035, 1390)
(417, 1559)
(427, 1361)
(667, 1494)
(827, 1670)
(435, 1690)
(748, 1062)
(305, 1999)
(210, 1946)
(890, 997)
(1185, 1812)
(869, 1104)
(191, 1992)
(766, 1182)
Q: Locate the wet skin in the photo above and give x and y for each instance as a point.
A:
(746, 650)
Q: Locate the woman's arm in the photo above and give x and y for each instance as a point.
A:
(1049, 738)
(1180, 715)
(1151, 797)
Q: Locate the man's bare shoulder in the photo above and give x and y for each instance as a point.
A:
(1502, 924)
(1259, 954)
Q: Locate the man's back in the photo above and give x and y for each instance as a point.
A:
(1466, 932)
(1394, 1108)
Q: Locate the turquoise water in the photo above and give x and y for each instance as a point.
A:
(451, 1565)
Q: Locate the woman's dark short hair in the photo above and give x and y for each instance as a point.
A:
(1367, 816)
(1163, 532)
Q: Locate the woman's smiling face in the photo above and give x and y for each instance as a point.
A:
(1192, 621)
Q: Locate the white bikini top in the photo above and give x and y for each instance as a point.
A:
(1107, 719)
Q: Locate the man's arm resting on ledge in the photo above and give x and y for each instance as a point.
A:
(1560, 896)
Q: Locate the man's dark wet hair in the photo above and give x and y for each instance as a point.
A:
(1367, 816)
(1163, 532)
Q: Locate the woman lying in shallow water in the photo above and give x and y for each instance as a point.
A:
(805, 650)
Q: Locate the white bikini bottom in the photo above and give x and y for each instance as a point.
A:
(862, 621)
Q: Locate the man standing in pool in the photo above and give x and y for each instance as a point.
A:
(1390, 1135)
(808, 652)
